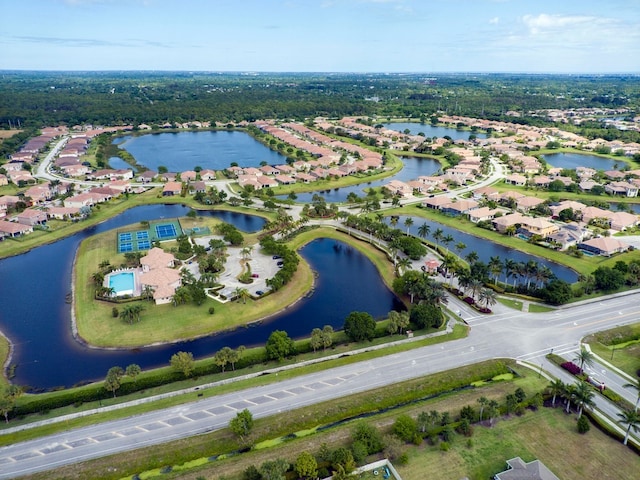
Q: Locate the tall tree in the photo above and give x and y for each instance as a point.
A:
(132, 371)
(424, 230)
(630, 418)
(407, 223)
(557, 388)
(306, 466)
(584, 357)
(279, 345)
(583, 396)
(242, 424)
(183, 362)
(327, 336)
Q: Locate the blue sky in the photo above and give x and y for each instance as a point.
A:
(557, 36)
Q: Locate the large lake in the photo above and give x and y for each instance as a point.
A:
(215, 150)
(47, 355)
(432, 131)
(574, 160)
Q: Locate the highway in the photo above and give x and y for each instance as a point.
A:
(506, 333)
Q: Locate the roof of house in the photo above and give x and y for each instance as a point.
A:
(519, 470)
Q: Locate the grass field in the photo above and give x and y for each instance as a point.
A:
(8, 133)
(625, 356)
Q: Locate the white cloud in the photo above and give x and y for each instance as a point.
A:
(494, 20)
(544, 23)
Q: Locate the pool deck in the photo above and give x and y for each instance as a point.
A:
(137, 289)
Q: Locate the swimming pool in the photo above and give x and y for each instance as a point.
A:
(122, 283)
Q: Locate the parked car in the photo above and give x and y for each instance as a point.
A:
(259, 293)
(255, 275)
(275, 257)
(280, 264)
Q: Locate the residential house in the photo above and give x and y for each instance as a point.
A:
(605, 246)
(171, 189)
(587, 185)
(621, 188)
(538, 226)
(269, 170)
(519, 470)
(524, 204)
(285, 179)
(305, 177)
(3, 180)
(207, 175)
(575, 206)
(436, 202)
(11, 229)
(569, 235)
(267, 182)
(622, 220)
(32, 217)
(146, 177)
(502, 224)
(62, 213)
(397, 187)
(485, 213)
(198, 187)
(516, 179)
(188, 176)
(459, 207)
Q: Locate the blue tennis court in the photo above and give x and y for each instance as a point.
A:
(142, 235)
(166, 231)
(144, 244)
(125, 237)
(125, 247)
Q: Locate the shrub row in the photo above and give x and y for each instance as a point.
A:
(571, 368)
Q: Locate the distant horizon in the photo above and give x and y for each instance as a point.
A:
(350, 36)
(327, 72)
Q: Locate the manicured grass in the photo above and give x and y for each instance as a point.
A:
(625, 355)
(508, 302)
(537, 308)
(547, 435)
(4, 355)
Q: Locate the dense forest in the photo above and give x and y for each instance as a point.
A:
(35, 99)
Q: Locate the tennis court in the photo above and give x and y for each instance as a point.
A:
(197, 231)
(138, 240)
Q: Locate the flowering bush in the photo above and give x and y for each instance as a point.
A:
(571, 368)
(469, 300)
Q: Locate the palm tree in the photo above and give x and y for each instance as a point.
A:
(447, 240)
(483, 401)
(630, 418)
(407, 223)
(472, 257)
(569, 395)
(493, 409)
(98, 278)
(180, 296)
(245, 252)
(509, 270)
(635, 385)
(243, 294)
(460, 246)
(583, 395)
(438, 235)
(403, 265)
(147, 292)
(584, 357)
(487, 297)
(475, 285)
(424, 230)
(495, 267)
(557, 388)
(393, 220)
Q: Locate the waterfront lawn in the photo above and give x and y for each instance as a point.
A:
(164, 323)
(508, 302)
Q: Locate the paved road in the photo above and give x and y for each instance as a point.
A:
(506, 333)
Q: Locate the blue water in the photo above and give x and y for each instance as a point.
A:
(121, 282)
(47, 355)
(118, 164)
(431, 131)
(484, 248)
(573, 160)
(414, 167)
(209, 150)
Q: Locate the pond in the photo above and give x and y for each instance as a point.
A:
(484, 248)
(574, 160)
(47, 355)
(118, 164)
(215, 150)
(413, 168)
(431, 131)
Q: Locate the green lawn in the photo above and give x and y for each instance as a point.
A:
(625, 355)
(508, 302)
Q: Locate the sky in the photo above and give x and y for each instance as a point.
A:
(533, 36)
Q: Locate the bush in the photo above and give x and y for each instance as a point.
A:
(444, 446)
(571, 368)
(405, 428)
(114, 312)
(212, 310)
(583, 425)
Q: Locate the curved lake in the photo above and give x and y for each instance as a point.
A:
(118, 163)
(574, 160)
(215, 150)
(413, 168)
(484, 248)
(47, 354)
(431, 131)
